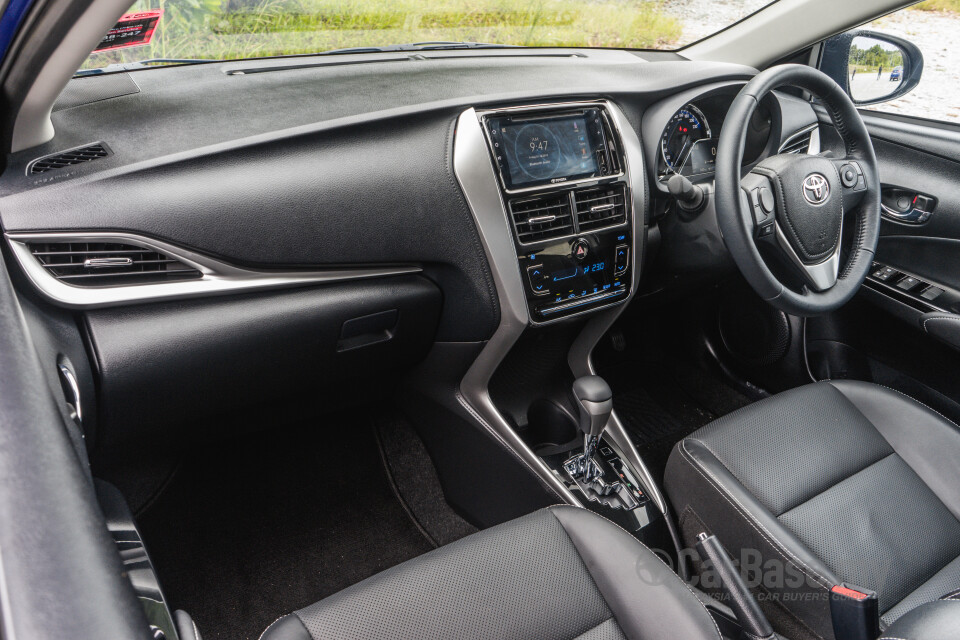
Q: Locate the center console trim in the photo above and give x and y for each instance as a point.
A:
(474, 170)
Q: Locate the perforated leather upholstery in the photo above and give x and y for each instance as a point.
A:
(834, 482)
(559, 573)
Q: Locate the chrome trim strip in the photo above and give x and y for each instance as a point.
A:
(820, 276)
(580, 356)
(218, 277)
(473, 168)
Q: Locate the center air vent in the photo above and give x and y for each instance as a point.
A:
(98, 264)
(542, 217)
(599, 207)
(68, 158)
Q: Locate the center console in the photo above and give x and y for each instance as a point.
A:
(562, 176)
(558, 195)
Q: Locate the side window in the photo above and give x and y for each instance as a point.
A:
(933, 27)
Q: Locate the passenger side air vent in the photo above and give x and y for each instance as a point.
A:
(798, 143)
(542, 218)
(99, 264)
(599, 207)
(68, 158)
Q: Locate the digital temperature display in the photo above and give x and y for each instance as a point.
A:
(535, 151)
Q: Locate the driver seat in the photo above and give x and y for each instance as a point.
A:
(834, 482)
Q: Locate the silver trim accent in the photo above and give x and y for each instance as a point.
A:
(815, 189)
(71, 381)
(100, 263)
(541, 219)
(820, 276)
(218, 277)
(473, 168)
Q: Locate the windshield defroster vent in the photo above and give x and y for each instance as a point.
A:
(599, 207)
(542, 218)
(98, 264)
(68, 158)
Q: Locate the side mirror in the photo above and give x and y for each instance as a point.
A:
(872, 67)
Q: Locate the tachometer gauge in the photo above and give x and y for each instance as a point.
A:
(685, 129)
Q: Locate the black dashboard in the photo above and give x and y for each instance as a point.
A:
(292, 182)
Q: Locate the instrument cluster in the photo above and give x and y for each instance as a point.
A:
(688, 144)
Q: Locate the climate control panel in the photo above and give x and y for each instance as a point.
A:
(577, 274)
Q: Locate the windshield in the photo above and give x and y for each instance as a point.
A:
(158, 32)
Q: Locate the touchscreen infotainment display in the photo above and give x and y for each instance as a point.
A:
(534, 151)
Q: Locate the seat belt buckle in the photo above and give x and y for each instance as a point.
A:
(855, 612)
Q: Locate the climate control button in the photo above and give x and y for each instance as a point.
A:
(538, 280)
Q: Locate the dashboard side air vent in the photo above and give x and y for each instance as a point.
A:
(599, 207)
(544, 217)
(68, 158)
(101, 264)
(797, 143)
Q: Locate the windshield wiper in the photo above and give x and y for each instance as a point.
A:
(139, 64)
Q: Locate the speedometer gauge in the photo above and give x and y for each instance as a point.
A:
(687, 127)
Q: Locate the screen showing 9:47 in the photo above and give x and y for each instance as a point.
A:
(541, 151)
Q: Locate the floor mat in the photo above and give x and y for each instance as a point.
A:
(255, 528)
(416, 483)
(660, 404)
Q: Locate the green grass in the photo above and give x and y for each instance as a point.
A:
(938, 5)
(247, 28)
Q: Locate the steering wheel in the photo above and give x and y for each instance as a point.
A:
(793, 205)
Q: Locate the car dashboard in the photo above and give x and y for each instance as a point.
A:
(188, 229)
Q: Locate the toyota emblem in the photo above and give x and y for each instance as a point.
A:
(816, 189)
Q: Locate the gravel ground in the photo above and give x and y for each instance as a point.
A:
(935, 34)
(700, 18)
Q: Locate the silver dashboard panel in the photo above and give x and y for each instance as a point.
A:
(474, 169)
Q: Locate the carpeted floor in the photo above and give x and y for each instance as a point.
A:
(251, 529)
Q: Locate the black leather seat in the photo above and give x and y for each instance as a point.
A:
(832, 482)
(558, 573)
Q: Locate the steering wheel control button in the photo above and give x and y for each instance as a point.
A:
(580, 249)
(766, 230)
(848, 176)
(765, 198)
(538, 280)
(621, 259)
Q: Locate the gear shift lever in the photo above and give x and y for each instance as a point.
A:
(595, 402)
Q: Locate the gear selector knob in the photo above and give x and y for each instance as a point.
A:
(595, 403)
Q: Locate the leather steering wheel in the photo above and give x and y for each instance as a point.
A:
(794, 205)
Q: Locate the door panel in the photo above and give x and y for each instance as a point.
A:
(880, 336)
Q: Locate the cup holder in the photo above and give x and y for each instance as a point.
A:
(549, 424)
